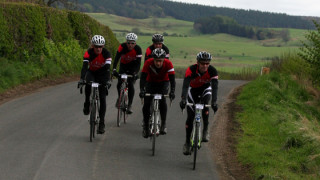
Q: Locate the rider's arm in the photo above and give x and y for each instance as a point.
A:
(214, 86)
(172, 82)
(116, 60)
(185, 86)
(84, 69)
(143, 80)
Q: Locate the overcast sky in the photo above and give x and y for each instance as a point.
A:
(290, 7)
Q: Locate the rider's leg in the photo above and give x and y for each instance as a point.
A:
(146, 116)
(86, 107)
(163, 108)
(130, 93)
(205, 115)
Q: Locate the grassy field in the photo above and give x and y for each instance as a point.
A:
(231, 53)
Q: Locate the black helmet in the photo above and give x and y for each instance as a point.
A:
(204, 56)
(158, 53)
(157, 38)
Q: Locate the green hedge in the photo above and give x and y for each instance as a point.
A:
(38, 42)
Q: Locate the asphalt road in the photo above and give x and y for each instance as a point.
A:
(45, 136)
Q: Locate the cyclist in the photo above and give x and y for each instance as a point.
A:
(130, 54)
(96, 67)
(156, 74)
(157, 40)
(200, 82)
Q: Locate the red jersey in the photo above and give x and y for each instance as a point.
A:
(97, 61)
(158, 75)
(198, 80)
(129, 56)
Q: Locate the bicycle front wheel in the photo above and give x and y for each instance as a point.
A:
(125, 106)
(154, 131)
(92, 121)
(195, 146)
(119, 108)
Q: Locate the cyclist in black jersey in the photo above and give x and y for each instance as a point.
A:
(157, 40)
(199, 85)
(130, 54)
(96, 67)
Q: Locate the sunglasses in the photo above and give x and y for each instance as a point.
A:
(202, 63)
(130, 42)
(98, 46)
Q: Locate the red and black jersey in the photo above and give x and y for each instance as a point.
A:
(97, 61)
(130, 60)
(158, 75)
(198, 80)
(149, 50)
(99, 64)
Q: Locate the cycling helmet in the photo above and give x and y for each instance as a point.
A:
(158, 53)
(157, 38)
(98, 40)
(204, 56)
(131, 37)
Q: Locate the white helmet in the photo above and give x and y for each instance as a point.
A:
(131, 37)
(98, 40)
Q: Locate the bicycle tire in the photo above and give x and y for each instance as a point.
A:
(92, 120)
(125, 106)
(119, 108)
(154, 133)
(195, 146)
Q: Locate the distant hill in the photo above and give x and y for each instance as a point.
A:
(159, 8)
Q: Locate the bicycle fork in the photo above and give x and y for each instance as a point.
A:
(196, 129)
(155, 117)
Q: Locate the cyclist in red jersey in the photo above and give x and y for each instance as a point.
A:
(157, 40)
(156, 74)
(199, 84)
(96, 67)
(130, 54)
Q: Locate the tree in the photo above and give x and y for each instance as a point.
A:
(68, 4)
(310, 52)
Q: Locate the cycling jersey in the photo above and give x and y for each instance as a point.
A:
(97, 63)
(149, 50)
(158, 75)
(130, 60)
(199, 82)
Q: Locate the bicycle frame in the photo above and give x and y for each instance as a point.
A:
(196, 134)
(123, 98)
(155, 120)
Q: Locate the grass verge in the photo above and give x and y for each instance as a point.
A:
(279, 137)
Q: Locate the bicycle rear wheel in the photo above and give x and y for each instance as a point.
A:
(119, 108)
(92, 121)
(195, 146)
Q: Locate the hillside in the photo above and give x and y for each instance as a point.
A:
(191, 12)
(38, 42)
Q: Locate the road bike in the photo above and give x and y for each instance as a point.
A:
(94, 107)
(196, 135)
(155, 120)
(122, 103)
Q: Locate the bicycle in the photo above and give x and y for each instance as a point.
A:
(95, 107)
(122, 102)
(155, 120)
(196, 135)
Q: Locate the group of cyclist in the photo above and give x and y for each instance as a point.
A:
(200, 83)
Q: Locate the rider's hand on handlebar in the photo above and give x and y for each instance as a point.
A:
(115, 73)
(171, 95)
(142, 93)
(183, 103)
(214, 107)
(81, 82)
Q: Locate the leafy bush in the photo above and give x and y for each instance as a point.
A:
(310, 52)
